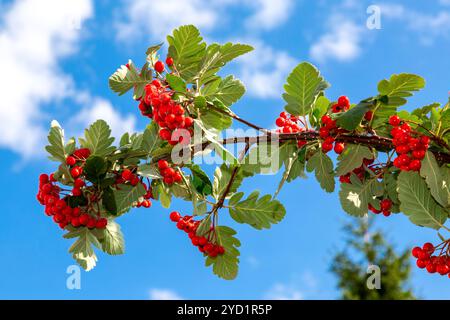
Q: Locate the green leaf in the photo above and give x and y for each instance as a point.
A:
(124, 79)
(352, 158)
(109, 201)
(258, 212)
(98, 139)
(222, 176)
(187, 49)
(351, 119)
(216, 57)
(356, 196)
(112, 241)
(176, 83)
(228, 91)
(421, 112)
(417, 203)
(215, 120)
(126, 195)
(320, 108)
(303, 86)
(163, 194)
(226, 266)
(148, 170)
(95, 168)
(323, 167)
(125, 140)
(81, 249)
(432, 174)
(200, 102)
(399, 87)
(150, 139)
(56, 147)
(267, 157)
(200, 180)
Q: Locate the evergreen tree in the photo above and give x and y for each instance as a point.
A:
(364, 248)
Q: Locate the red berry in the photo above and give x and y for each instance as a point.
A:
(71, 160)
(386, 204)
(283, 115)
(84, 219)
(428, 247)
(134, 181)
(415, 165)
(78, 183)
(324, 132)
(76, 172)
(169, 61)
(76, 192)
(421, 263)
(415, 252)
(165, 134)
(339, 147)
(280, 122)
(431, 268)
(343, 101)
(401, 149)
(163, 164)
(75, 222)
(394, 120)
(326, 147)
(425, 140)
(419, 154)
(91, 223)
(127, 174)
(368, 115)
(101, 223)
(175, 216)
(326, 119)
(159, 66)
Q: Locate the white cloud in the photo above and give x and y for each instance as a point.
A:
(163, 294)
(427, 26)
(268, 13)
(264, 70)
(34, 37)
(99, 108)
(157, 18)
(342, 42)
(283, 292)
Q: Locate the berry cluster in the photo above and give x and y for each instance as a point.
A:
(204, 243)
(146, 203)
(157, 103)
(343, 104)
(410, 146)
(128, 176)
(433, 263)
(63, 214)
(290, 124)
(362, 174)
(170, 174)
(327, 133)
(76, 162)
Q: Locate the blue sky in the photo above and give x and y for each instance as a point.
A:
(56, 57)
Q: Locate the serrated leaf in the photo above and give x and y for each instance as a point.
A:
(222, 176)
(82, 250)
(126, 195)
(400, 86)
(228, 90)
(125, 140)
(432, 174)
(259, 212)
(148, 170)
(200, 181)
(420, 112)
(351, 158)
(267, 157)
(417, 203)
(356, 196)
(187, 49)
(215, 120)
(226, 266)
(125, 79)
(216, 57)
(109, 201)
(112, 241)
(98, 139)
(322, 165)
(56, 147)
(351, 119)
(95, 168)
(176, 83)
(303, 86)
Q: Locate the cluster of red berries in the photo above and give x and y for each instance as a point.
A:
(289, 124)
(76, 162)
(343, 104)
(146, 203)
(385, 207)
(204, 244)
(159, 65)
(63, 214)
(410, 147)
(128, 176)
(327, 133)
(157, 103)
(170, 174)
(433, 263)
